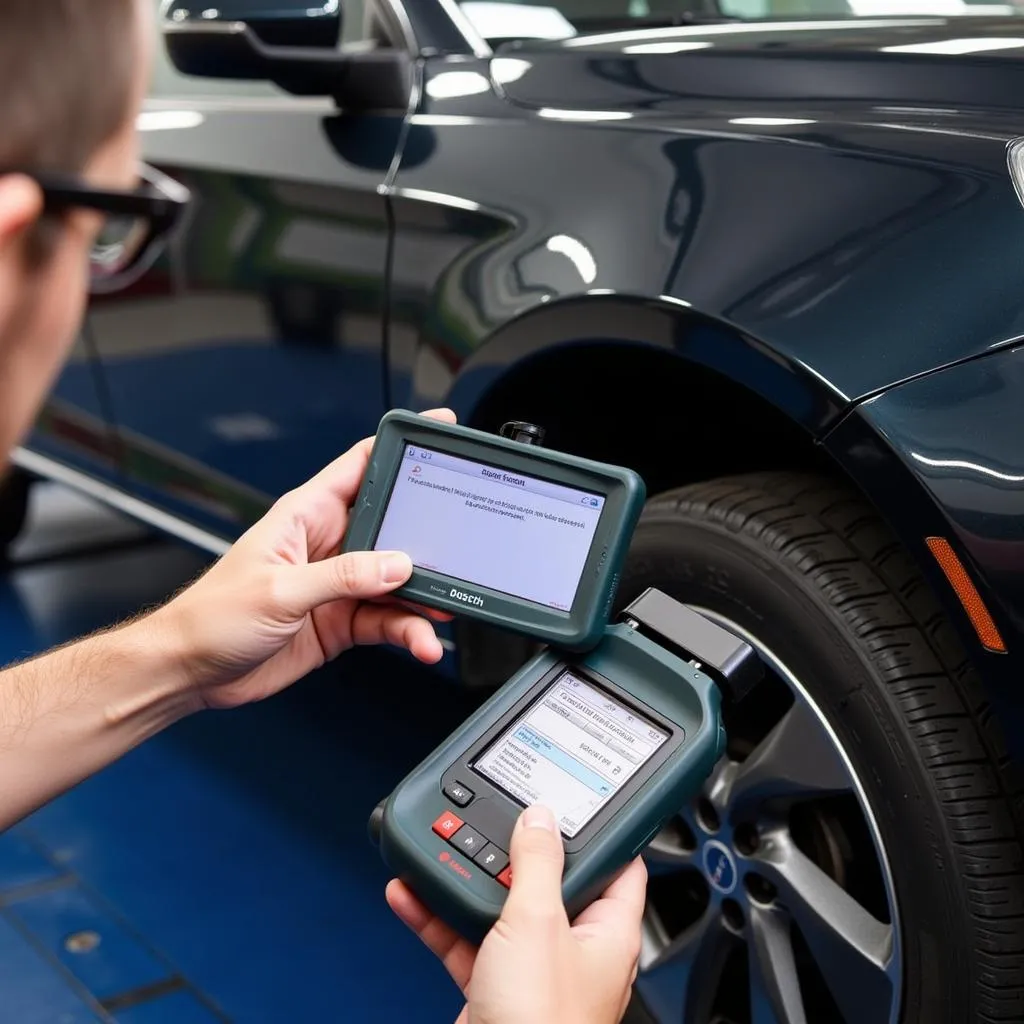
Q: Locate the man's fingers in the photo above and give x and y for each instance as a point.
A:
(537, 859)
(358, 575)
(344, 475)
(621, 907)
(377, 624)
(629, 889)
(430, 613)
(455, 953)
(443, 415)
(323, 501)
(612, 925)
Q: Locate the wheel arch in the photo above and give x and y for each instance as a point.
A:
(656, 325)
(672, 420)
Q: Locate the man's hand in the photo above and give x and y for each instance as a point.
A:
(535, 967)
(279, 604)
(282, 601)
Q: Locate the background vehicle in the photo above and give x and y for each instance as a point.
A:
(773, 266)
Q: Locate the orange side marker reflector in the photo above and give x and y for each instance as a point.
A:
(965, 590)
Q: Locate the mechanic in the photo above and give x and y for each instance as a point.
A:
(73, 74)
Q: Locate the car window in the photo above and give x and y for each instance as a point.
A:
(498, 20)
(168, 82)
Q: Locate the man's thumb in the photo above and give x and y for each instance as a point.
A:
(537, 860)
(357, 574)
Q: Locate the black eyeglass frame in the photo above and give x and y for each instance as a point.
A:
(159, 200)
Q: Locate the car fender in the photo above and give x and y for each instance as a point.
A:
(865, 247)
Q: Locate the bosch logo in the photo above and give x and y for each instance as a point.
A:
(446, 858)
(461, 595)
(719, 867)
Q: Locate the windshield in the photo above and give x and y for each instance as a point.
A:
(498, 20)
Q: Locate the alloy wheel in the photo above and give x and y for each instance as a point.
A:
(770, 897)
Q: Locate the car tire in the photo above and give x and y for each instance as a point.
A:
(805, 566)
(15, 488)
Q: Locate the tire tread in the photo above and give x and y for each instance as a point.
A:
(832, 537)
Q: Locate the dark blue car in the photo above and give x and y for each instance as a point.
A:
(770, 255)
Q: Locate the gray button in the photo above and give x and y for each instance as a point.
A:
(492, 860)
(468, 840)
(459, 794)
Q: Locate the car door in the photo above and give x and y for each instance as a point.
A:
(251, 355)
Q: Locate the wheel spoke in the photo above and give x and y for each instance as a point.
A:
(851, 947)
(718, 786)
(685, 946)
(796, 760)
(654, 940)
(672, 849)
(662, 861)
(681, 982)
(775, 996)
(706, 973)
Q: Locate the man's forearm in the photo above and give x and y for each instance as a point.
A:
(69, 713)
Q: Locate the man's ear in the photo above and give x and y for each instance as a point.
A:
(21, 205)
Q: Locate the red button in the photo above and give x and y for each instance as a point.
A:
(506, 877)
(447, 825)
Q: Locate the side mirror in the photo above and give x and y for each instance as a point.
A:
(296, 48)
(276, 22)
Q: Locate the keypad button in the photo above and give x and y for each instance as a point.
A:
(506, 877)
(468, 840)
(447, 825)
(459, 794)
(492, 860)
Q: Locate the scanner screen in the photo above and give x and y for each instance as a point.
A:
(572, 751)
(493, 527)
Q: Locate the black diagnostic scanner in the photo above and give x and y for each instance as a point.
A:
(614, 741)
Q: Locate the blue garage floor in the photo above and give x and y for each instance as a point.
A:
(222, 871)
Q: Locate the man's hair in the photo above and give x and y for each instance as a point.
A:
(66, 73)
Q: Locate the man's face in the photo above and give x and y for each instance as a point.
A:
(41, 307)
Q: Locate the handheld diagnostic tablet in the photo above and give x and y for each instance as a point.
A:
(498, 528)
(614, 741)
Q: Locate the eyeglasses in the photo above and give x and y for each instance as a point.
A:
(136, 226)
